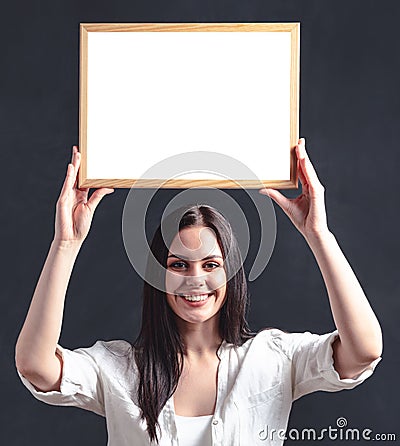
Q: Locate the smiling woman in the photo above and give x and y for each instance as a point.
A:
(196, 278)
(196, 375)
(204, 302)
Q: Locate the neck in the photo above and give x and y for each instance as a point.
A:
(200, 339)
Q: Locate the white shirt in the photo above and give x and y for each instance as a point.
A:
(194, 431)
(257, 383)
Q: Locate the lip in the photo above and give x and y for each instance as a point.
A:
(194, 292)
(200, 303)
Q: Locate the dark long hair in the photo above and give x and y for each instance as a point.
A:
(159, 348)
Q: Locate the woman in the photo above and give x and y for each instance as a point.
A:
(196, 375)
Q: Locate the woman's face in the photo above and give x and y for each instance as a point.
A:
(195, 278)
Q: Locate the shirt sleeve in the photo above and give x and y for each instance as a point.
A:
(312, 361)
(81, 383)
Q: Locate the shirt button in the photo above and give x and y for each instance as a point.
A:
(215, 422)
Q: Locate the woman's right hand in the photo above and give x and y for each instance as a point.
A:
(74, 212)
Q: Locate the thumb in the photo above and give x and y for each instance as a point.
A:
(97, 196)
(280, 199)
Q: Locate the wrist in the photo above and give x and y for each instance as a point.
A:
(316, 238)
(66, 245)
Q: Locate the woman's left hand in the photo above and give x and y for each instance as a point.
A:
(307, 211)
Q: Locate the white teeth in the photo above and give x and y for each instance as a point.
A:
(195, 297)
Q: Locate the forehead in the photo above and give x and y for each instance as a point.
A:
(195, 243)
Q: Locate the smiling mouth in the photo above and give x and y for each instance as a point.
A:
(195, 297)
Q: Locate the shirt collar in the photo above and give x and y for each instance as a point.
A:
(222, 349)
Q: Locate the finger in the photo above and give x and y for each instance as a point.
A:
(74, 150)
(76, 161)
(97, 196)
(310, 175)
(280, 199)
(76, 158)
(84, 192)
(307, 170)
(69, 180)
(304, 184)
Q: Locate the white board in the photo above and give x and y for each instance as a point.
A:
(152, 95)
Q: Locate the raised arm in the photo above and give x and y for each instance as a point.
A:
(360, 336)
(35, 351)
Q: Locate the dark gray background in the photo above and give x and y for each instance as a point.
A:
(350, 109)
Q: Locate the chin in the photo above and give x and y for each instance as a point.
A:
(197, 319)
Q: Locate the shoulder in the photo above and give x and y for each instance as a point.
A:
(266, 339)
(290, 343)
(103, 351)
(117, 347)
(272, 334)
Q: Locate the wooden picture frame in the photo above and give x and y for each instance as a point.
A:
(149, 91)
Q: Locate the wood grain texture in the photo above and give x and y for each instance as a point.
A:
(83, 105)
(182, 184)
(294, 101)
(193, 27)
(293, 28)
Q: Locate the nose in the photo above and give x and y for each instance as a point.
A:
(195, 276)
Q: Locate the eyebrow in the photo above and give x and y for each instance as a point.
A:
(186, 258)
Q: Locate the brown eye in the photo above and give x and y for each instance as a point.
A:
(211, 265)
(178, 265)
